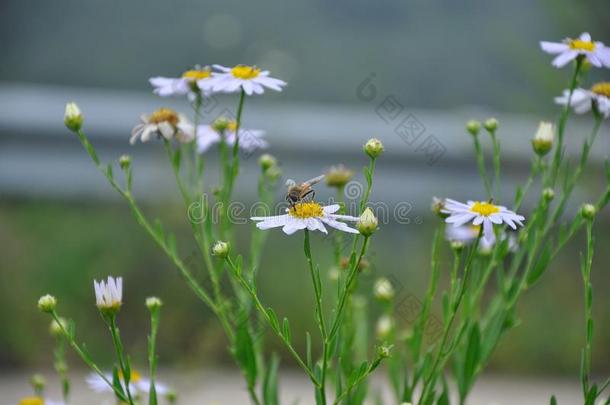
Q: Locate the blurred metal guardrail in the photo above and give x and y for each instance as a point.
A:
(427, 152)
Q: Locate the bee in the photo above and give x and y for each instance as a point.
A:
(298, 192)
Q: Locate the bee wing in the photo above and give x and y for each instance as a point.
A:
(315, 180)
(290, 183)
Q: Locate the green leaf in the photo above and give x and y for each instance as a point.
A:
(275, 324)
(540, 266)
(286, 330)
(553, 400)
(270, 386)
(244, 350)
(473, 352)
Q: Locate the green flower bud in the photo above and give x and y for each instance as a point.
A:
(373, 148)
(125, 162)
(367, 224)
(73, 118)
(55, 329)
(47, 303)
(548, 194)
(457, 245)
(38, 383)
(338, 176)
(384, 351)
(220, 249)
(543, 140)
(267, 161)
(473, 126)
(153, 303)
(491, 125)
(384, 327)
(588, 211)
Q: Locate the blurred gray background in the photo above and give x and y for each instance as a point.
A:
(355, 69)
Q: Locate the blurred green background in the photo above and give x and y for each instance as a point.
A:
(441, 57)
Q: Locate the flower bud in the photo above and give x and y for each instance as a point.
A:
(55, 329)
(548, 194)
(383, 289)
(543, 140)
(221, 124)
(171, 396)
(384, 327)
(38, 383)
(457, 245)
(338, 176)
(588, 211)
(153, 303)
(334, 273)
(473, 126)
(367, 224)
(125, 162)
(384, 351)
(373, 148)
(267, 161)
(47, 303)
(220, 249)
(73, 118)
(273, 173)
(491, 125)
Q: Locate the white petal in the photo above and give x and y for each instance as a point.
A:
(554, 47)
(564, 58)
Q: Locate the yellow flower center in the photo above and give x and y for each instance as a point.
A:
(232, 126)
(245, 72)
(306, 210)
(197, 74)
(164, 115)
(135, 376)
(484, 208)
(580, 45)
(603, 89)
(32, 401)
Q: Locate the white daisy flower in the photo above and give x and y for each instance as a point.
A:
(479, 212)
(469, 233)
(583, 100)
(137, 384)
(249, 139)
(250, 78)
(109, 294)
(165, 123)
(594, 51)
(188, 84)
(307, 215)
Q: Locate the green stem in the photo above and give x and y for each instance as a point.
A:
(562, 124)
(260, 307)
(61, 366)
(317, 286)
(588, 298)
(481, 165)
(152, 356)
(86, 358)
(125, 370)
(496, 162)
(441, 355)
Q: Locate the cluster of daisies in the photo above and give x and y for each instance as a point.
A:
(585, 51)
(201, 82)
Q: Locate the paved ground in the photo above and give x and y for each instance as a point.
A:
(226, 388)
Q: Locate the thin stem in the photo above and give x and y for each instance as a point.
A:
(562, 124)
(353, 271)
(125, 370)
(61, 366)
(496, 162)
(481, 165)
(441, 355)
(588, 298)
(86, 358)
(152, 354)
(317, 286)
(260, 307)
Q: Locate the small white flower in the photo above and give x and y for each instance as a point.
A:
(251, 79)
(583, 100)
(543, 139)
(109, 294)
(188, 84)
(165, 123)
(137, 384)
(594, 51)
(478, 212)
(249, 139)
(307, 215)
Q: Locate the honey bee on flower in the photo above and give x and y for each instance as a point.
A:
(593, 51)
(251, 79)
(481, 213)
